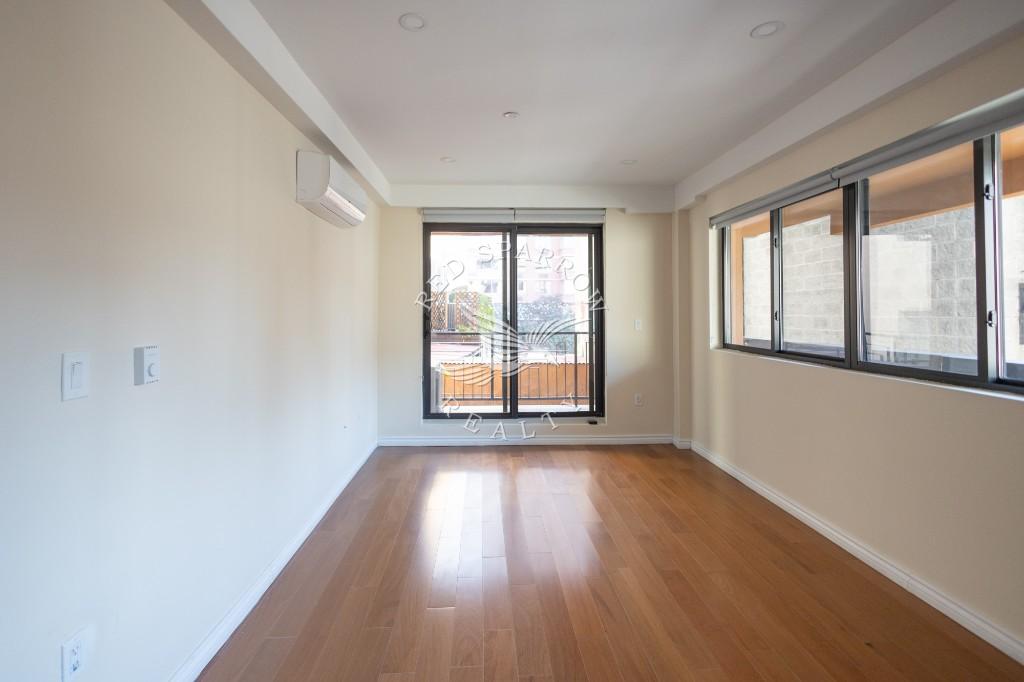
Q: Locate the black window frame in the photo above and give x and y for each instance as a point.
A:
(727, 283)
(510, 292)
(1020, 312)
(856, 200)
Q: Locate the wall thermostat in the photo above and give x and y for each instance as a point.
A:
(147, 365)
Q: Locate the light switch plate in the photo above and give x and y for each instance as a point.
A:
(147, 365)
(74, 376)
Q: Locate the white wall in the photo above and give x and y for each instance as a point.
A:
(928, 476)
(147, 197)
(638, 284)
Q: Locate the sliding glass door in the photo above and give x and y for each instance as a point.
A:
(513, 322)
(555, 323)
(467, 354)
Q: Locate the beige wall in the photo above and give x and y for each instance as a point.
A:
(638, 285)
(930, 477)
(682, 286)
(147, 197)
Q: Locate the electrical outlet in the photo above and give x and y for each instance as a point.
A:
(638, 399)
(72, 657)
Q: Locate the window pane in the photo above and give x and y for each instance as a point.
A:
(813, 305)
(1012, 248)
(918, 264)
(553, 312)
(750, 282)
(466, 314)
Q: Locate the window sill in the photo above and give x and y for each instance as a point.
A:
(1003, 391)
(531, 419)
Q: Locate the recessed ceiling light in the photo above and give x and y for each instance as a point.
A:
(767, 29)
(511, 114)
(447, 159)
(628, 162)
(411, 21)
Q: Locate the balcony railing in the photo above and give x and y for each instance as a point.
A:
(557, 374)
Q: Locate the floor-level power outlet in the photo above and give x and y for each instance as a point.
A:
(73, 654)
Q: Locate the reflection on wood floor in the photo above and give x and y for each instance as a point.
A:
(582, 563)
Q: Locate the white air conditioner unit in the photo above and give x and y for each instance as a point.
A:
(323, 186)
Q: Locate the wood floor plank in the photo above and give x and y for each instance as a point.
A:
(795, 611)
(446, 573)
(403, 649)
(338, 607)
(396, 677)
(326, 644)
(530, 639)
(536, 534)
(499, 656)
(436, 650)
(492, 543)
(375, 560)
(597, 563)
(825, 635)
(365, 663)
(467, 643)
(560, 635)
(293, 616)
(474, 674)
(496, 594)
(665, 658)
(623, 638)
(235, 655)
(517, 550)
(408, 542)
(267, 660)
(594, 649)
(471, 544)
(644, 574)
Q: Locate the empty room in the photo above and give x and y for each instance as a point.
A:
(511, 340)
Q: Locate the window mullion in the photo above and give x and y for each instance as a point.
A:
(850, 266)
(985, 196)
(726, 289)
(776, 274)
(861, 225)
(512, 319)
(595, 289)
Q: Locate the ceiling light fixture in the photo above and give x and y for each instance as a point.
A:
(447, 159)
(628, 162)
(767, 29)
(411, 21)
(511, 114)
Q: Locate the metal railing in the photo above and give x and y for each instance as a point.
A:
(558, 372)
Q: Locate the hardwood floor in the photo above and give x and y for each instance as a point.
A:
(582, 563)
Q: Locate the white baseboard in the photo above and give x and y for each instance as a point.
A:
(988, 631)
(432, 441)
(681, 443)
(213, 641)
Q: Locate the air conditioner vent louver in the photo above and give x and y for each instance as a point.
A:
(323, 186)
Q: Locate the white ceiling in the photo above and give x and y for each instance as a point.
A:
(671, 83)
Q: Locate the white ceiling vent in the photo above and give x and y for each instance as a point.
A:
(323, 186)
